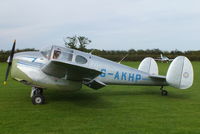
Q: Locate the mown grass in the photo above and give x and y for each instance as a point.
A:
(111, 110)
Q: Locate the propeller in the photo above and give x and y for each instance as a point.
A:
(10, 59)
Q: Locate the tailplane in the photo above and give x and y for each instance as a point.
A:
(179, 75)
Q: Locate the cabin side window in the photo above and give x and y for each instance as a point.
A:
(80, 59)
(66, 56)
(63, 56)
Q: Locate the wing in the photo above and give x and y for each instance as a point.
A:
(70, 71)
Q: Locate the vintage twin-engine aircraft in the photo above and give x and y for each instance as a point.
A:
(64, 68)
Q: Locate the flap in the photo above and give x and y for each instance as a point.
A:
(70, 71)
(95, 84)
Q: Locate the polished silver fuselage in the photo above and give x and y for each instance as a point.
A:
(27, 68)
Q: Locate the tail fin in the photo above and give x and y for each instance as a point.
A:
(161, 56)
(180, 73)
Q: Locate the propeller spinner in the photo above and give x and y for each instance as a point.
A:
(10, 59)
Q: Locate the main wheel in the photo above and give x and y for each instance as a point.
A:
(164, 93)
(38, 99)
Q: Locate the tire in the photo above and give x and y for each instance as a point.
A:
(38, 99)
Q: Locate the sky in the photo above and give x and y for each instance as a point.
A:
(110, 24)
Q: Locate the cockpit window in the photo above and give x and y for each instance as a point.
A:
(80, 59)
(56, 54)
(62, 56)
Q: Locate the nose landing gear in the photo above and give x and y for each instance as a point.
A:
(37, 96)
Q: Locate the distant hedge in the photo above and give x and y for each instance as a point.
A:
(138, 55)
(117, 55)
(5, 54)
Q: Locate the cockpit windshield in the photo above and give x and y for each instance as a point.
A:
(62, 54)
(46, 52)
(57, 53)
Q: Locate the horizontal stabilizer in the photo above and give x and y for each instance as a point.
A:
(180, 73)
(149, 66)
(157, 77)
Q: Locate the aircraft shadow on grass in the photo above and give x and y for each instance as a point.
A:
(96, 100)
(80, 98)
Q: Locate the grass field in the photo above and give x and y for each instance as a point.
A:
(111, 110)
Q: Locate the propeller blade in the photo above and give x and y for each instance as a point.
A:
(10, 61)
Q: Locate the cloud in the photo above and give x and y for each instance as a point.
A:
(113, 24)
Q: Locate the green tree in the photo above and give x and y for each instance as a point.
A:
(77, 42)
(84, 41)
(71, 42)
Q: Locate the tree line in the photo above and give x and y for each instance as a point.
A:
(81, 43)
(138, 55)
(117, 55)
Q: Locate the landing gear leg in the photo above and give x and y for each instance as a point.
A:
(163, 92)
(37, 96)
